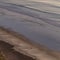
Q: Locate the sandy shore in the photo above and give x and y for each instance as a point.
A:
(23, 46)
(11, 54)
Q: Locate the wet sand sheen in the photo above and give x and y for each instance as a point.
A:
(11, 54)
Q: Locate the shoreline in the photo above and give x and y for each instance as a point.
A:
(31, 46)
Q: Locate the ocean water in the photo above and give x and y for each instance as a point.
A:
(39, 25)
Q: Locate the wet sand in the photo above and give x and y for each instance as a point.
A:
(11, 54)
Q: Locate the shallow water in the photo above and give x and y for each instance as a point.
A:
(39, 26)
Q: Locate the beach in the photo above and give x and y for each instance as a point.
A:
(20, 44)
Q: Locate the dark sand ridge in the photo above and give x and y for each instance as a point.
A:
(51, 55)
(10, 54)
